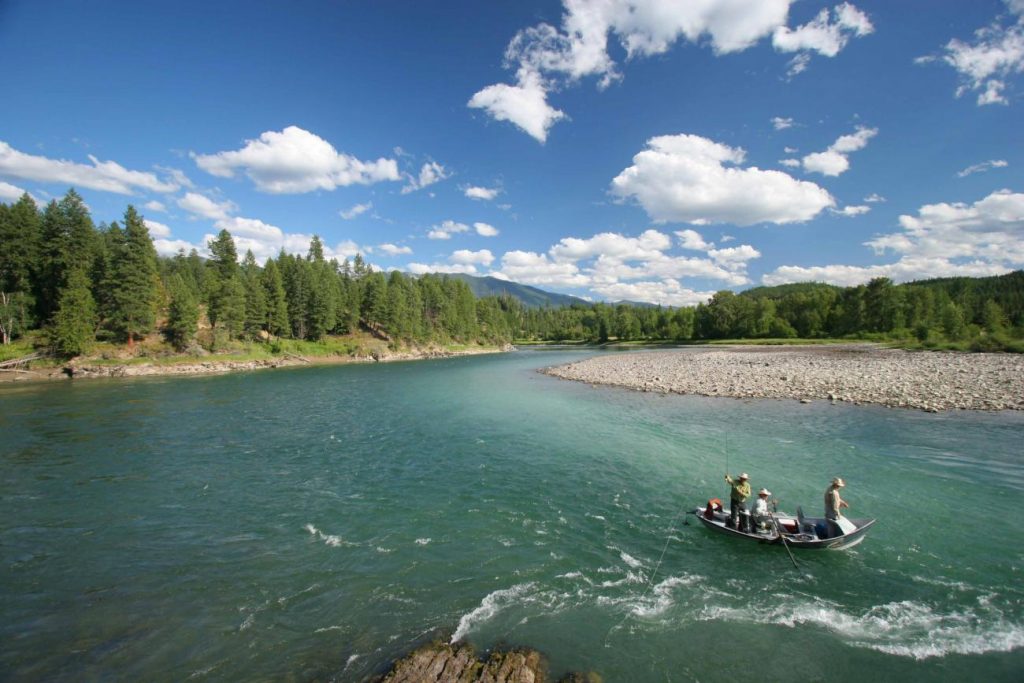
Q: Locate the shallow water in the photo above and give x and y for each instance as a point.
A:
(316, 523)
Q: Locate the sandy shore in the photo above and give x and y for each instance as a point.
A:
(855, 373)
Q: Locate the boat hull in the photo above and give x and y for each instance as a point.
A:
(807, 536)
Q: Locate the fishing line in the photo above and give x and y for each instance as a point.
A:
(650, 580)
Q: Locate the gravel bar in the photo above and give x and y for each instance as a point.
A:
(853, 373)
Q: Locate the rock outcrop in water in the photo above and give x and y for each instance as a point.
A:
(444, 663)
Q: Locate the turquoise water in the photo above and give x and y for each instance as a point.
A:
(316, 523)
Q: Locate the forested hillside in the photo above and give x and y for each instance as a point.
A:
(80, 284)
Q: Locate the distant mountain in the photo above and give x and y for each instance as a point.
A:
(529, 296)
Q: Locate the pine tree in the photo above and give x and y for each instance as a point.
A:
(67, 242)
(226, 290)
(74, 322)
(255, 297)
(135, 280)
(182, 314)
(20, 229)
(277, 306)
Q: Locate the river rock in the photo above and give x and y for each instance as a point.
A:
(444, 663)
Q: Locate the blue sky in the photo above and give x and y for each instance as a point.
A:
(649, 150)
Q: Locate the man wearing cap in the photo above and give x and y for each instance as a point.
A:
(833, 503)
(760, 515)
(737, 497)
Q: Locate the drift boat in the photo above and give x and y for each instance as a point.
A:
(798, 531)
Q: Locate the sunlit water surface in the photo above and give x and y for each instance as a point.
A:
(317, 523)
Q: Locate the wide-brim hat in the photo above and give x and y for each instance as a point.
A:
(744, 476)
(838, 481)
(764, 492)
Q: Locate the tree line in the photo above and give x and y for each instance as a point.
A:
(80, 283)
(977, 313)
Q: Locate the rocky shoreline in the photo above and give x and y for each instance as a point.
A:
(444, 663)
(85, 369)
(852, 373)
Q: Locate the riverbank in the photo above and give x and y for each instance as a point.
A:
(86, 368)
(853, 373)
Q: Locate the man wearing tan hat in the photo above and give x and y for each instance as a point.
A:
(833, 503)
(760, 515)
(737, 497)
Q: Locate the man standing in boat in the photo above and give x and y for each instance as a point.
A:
(737, 497)
(833, 503)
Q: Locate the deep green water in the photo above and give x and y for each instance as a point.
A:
(316, 523)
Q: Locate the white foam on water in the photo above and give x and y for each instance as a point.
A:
(490, 606)
(423, 541)
(570, 575)
(328, 628)
(329, 539)
(630, 560)
(661, 598)
(380, 549)
(906, 628)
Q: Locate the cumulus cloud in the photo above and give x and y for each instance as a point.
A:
(834, 160)
(466, 257)
(155, 206)
(825, 34)
(157, 229)
(485, 229)
(295, 161)
(696, 180)
(982, 167)
(446, 229)
(852, 210)
(608, 244)
(201, 205)
(106, 176)
(430, 173)
(546, 59)
(691, 239)
(532, 268)
(994, 56)
(781, 123)
(169, 247)
(482, 193)
(662, 292)
(355, 211)
(942, 240)
(394, 250)
(424, 268)
(10, 193)
(525, 104)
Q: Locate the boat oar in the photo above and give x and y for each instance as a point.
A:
(778, 530)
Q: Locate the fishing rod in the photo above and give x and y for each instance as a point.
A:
(778, 530)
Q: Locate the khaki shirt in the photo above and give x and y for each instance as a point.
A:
(740, 489)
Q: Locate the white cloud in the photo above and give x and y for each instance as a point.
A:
(833, 161)
(648, 245)
(696, 180)
(942, 240)
(424, 268)
(485, 229)
(394, 250)
(546, 59)
(524, 104)
(168, 247)
(852, 210)
(178, 176)
(430, 173)
(824, 35)
(482, 193)
(984, 65)
(734, 257)
(446, 229)
(691, 239)
(663, 292)
(790, 163)
(874, 198)
(157, 229)
(106, 176)
(781, 123)
(200, 205)
(155, 206)
(10, 193)
(356, 211)
(790, 150)
(467, 257)
(531, 268)
(296, 161)
(982, 167)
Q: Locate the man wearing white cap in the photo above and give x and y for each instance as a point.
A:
(833, 503)
(760, 514)
(737, 497)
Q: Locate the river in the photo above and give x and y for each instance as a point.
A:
(316, 523)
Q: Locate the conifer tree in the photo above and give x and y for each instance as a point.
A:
(226, 290)
(277, 307)
(255, 297)
(135, 280)
(74, 322)
(20, 228)
(182, 314)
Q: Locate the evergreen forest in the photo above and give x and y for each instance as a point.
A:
(68, 284)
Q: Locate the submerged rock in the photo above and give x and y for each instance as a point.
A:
(444, 663)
